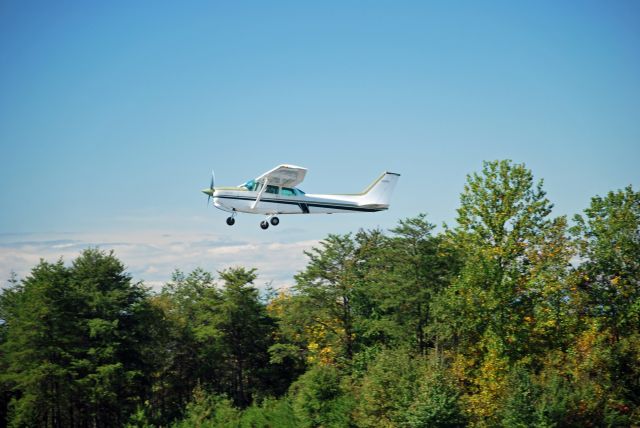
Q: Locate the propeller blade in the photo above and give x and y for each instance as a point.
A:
(213, 180)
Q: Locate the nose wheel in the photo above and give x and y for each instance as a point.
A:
(232, 220)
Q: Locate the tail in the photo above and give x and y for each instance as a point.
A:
(378, 194)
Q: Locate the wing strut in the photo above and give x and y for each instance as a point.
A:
(264, 187)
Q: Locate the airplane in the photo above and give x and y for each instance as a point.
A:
(275, 193)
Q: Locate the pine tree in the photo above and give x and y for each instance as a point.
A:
(77, 343)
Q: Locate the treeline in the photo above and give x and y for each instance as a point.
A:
(510, 317)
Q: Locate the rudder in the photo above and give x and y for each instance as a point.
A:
(379, 192)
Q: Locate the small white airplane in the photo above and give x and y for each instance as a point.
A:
(274, 193)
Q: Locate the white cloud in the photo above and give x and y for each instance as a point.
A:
(152, 257)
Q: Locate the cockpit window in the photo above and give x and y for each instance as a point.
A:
(250, 185)
(254, 186)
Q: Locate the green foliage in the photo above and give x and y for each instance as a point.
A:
(519, 409)
(327, 288)
(437, 402)
(270, 413)
(185, 359)
(505, 319)
(609, 242)
(554, 404)
(424, 266)
(388, 389)
(219, 339)
(212, 410)
(404, 389)
(77, 331)
(502, 228)
(243, 329)
(319, 400)
(209, 411)
(502, 207)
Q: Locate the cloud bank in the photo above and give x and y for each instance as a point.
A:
(152, 257)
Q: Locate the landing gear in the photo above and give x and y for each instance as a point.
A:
(264, 224)
(232, 220)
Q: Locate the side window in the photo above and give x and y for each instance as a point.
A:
(272, 189)
(285, 191)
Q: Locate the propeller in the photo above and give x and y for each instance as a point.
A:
(211, 189)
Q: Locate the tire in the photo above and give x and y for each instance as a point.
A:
(264, 225)
(275, 221)
(231, 221)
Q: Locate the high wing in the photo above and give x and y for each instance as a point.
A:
(284, 176)
(281, 176)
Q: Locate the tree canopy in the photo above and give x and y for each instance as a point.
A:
(509, 317)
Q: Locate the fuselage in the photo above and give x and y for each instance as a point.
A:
(282, 200)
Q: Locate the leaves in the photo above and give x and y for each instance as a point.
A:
(73, 331)
(510, 317)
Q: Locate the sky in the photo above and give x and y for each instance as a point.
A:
(113, 115)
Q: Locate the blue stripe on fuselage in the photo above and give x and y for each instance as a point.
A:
(303, 204)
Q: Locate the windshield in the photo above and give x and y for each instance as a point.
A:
(250, 185)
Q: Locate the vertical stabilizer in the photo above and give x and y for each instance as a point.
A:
(379, 192)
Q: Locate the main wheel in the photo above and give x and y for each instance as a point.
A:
(231, 221)
(275, 221)
(264, 224)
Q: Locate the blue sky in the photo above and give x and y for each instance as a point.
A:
(112, 115)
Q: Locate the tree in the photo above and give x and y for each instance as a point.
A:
(245, 334)
(387, 389)
(608, 296)
(425, 265)
(118, 330)
(512, 255)
(7, 304)
(401, 388)
(35, 347)
(78, 331)
(502, 214)
(519, 408)
(609, 243)
(187, 359)
(326, 289)
(319, 400)
(437, 401)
